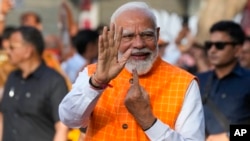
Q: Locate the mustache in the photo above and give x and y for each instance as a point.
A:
(143, 50)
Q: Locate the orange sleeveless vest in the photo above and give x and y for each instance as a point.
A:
(110, 120)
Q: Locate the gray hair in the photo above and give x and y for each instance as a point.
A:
(133, 5)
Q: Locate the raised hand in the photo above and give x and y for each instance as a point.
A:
(108, 65)
(138, 103)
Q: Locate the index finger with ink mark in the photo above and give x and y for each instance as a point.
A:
(135, 77)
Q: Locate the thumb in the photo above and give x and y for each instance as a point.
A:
(123, 60)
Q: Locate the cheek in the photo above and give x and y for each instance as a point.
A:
(224, 54)
(123, 47)
(13, 57)
(152, 44)
(18, 55)
(230, 55)
(6, 44)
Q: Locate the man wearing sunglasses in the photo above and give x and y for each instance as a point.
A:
(225, 90)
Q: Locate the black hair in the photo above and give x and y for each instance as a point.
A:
(82, 38)
(33, 36)
(233, 29)
(8, 30)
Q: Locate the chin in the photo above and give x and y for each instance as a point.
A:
(142, 67)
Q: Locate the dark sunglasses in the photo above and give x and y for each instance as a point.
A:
(218, 45)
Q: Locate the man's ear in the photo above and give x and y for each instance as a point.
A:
(158, 33)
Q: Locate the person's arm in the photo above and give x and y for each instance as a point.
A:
(190, 122)
(78, 104)
(58, 90)
(61, 132)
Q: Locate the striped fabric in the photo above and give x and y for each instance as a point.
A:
(110, 119)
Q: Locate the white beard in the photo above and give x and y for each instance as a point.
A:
(142, 66)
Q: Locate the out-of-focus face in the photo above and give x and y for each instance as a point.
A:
(221, 57)
(245, 55)
(92, 51)
(5, 43)
(6, 6)
(30, 20)
(141, 34)
(18, 49)
(53, 44)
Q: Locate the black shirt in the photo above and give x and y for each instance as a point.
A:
(30, 106)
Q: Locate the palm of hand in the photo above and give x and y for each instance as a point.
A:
(108, 65)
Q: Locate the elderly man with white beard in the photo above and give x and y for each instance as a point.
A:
(130, 94)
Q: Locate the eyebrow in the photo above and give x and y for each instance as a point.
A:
(126, 32)
(149, 30)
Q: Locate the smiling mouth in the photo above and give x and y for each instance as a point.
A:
(140, 55)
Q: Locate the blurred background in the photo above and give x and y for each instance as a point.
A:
(100, 10)
(92, 13)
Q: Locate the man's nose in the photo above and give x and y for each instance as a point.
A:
(138, 42)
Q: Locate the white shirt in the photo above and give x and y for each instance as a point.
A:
(77, 105)
(73, 66)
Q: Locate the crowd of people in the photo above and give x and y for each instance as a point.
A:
(113, 82)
